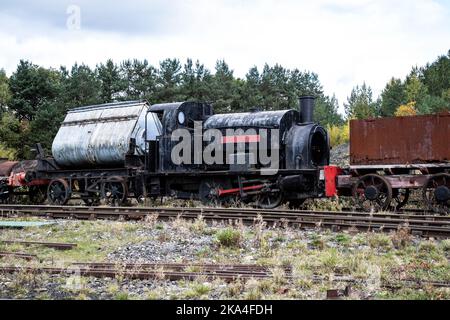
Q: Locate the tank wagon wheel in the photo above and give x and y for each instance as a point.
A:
(114, 191)
(38, 194)
(400, 198)
(436, 193)
(372, 192)
(209, 191)
(58, 192)
(269, 199)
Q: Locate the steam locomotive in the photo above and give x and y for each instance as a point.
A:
(113, 152)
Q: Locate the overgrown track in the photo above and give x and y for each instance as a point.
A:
(166, 271)
(228, 273)
(425, 225)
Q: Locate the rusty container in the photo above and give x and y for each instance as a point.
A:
(6, 167)
(400, 140)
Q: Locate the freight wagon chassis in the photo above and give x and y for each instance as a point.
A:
(110, 186)
(387, 187)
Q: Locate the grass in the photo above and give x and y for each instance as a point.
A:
(367, 257)
(229, 237)
(197, 290)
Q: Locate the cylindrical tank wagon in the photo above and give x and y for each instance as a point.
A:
(99, 153)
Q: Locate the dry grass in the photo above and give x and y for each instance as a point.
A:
(368, 258)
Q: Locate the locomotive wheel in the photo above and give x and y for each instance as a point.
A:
(114, 191)
(269, 199)
(209, 191)
(58, 192)
(400, 198)
(372, 192)
(38, 194)
(436, 193)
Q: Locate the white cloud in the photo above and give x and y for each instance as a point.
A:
(345, 42)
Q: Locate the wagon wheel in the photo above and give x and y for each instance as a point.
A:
(399, 198)
(209, 191)
(372, 192)
(114, 191)
(58, 192)
(269, 199)
(38, 194)
(436, 193)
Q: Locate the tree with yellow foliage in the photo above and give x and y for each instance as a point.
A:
(405, 110)
(339, 134)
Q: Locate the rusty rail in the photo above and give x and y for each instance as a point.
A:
(136, 272)
(54, 245)
(425, 225)
(174, 271)
(20, 255)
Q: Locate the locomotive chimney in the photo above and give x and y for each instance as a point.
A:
(306, 108)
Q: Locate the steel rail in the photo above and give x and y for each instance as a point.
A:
(224, 272)
(422, 225)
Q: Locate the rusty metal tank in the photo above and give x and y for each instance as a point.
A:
(101, 135)
(6, 167)
(400, 140)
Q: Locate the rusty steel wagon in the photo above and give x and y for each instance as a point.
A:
(390, 157)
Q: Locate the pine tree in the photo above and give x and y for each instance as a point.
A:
(360, 104)
(111, 85)
(392, 97)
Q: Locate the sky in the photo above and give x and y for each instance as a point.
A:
(346, 42)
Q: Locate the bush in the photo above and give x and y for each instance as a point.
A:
(229, 237)
(339, 134)
(405, 110)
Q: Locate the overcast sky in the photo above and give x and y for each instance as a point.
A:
(345, 41)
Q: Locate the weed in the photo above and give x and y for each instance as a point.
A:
(317, 242)
(401, 238)
(229, 237)
(122, 295)
(197, 290)
(445, 245)
(235, 288)
(199, 225)
(342, 239)
(380, 241)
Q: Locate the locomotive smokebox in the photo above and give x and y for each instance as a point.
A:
(307, 108)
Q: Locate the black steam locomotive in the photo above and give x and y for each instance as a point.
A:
(117, 151)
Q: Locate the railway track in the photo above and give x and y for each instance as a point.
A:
(226, 272)
(424, 225)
